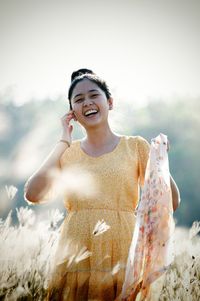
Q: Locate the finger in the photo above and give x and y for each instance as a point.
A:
(74, 116)
(67, 119)
(68, 114)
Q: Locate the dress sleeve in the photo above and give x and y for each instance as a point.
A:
(143, 148)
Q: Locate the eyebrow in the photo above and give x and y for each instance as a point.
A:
(93, 90)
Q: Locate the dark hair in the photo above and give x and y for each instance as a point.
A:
(82, 74)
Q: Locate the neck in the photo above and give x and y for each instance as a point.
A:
(100, 136)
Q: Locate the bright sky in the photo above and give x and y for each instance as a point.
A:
(141, 48)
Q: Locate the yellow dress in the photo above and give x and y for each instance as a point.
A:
(116, 177)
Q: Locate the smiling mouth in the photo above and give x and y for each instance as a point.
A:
(90, 113)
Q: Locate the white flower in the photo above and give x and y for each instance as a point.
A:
(11, 191)
(100, 227)
(83, 254)
(72, 254)
(194, 230)
(26, 216)
(55, 216)
(71, 259)
(74, 180)
(116, 269)
(8, 220)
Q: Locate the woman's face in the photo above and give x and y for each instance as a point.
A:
(90, 104)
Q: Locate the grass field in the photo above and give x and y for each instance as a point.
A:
(27, 252)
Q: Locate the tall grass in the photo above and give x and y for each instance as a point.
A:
(26, 255)
(182, 280)
(27, 251)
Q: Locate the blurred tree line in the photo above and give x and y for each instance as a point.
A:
(177, 118)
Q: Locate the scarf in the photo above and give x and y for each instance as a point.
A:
(150, 253)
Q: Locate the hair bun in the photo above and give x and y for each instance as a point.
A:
(80, 72)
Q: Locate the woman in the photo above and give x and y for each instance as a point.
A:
(117, 166)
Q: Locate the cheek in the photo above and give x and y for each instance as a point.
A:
(77, 112)
(75, 108)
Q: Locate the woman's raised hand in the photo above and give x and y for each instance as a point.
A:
(66, 126)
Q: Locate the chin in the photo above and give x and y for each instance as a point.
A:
(90, 125)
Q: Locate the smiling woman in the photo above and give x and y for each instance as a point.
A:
(81, 74)
(117, 166)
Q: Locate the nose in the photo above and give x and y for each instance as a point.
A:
(87, 101)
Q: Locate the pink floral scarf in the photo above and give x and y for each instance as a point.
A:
(150, 252)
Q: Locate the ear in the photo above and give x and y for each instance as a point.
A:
(110, 103)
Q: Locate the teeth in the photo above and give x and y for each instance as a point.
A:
(90, 111)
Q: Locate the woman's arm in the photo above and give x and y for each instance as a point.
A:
(175, 194)
(174, 188)
(40, 183)
(38, 186)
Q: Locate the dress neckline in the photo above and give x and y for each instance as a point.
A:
(103, 155)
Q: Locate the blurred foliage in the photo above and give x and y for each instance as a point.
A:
(177, 118)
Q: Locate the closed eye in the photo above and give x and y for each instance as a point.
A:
(79, 100)
(82, 99)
